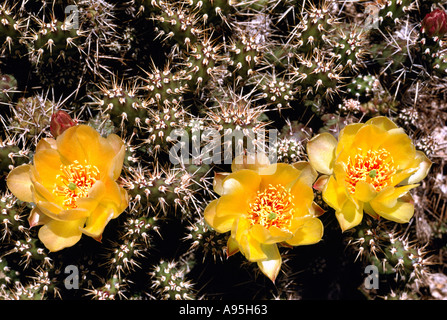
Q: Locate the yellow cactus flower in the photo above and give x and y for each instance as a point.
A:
(72, 183)
(263, 205)
(369, 169)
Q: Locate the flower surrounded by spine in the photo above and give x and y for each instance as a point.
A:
(371, 168)
(72, 184)
(264, 205)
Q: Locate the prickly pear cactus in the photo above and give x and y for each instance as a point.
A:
(164, 97)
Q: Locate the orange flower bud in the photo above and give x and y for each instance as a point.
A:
(435, 23)
(60, 121)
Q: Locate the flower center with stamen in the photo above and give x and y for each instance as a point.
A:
(74, 182)
(272, 207)
(374, 167)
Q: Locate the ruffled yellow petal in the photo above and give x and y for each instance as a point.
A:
(229, 208)
(100, 189)
(269, 236)
(47, 165)
(311, 232)
(366, 138)
(401, 177)
(251, 248)
(401, 212)
(283, 174)
(400, 146)
(334, 194)
(302, 198)
(19, 182)
(321, 152)
(364, 191)
(350, 215)
(113, 193)
(298, 223)
(90, 203)
(56, 212)
(119, 149)
(72, 142)
(422, 169)
(103, 156)
(46, 144)
(382, 122)
(243, 181)
(218, 180)
(210, 213)
(346, 137)
(37, 218)
(115, 142)
(57, 235)
(308, 174)
(40, 193)
(240, 229)
(98, 219)
(82, 143)
(232, 246)
(388, 197)
(272, 264)
(124, 202)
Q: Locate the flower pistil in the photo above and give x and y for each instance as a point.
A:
(272, 207)
(74, 182)
(374, 167)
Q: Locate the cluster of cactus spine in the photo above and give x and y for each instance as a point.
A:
(12, 28)
(8, 84)
(11, 156)
(400, 263)
(170, 282)
(206, 241)
(122, 105)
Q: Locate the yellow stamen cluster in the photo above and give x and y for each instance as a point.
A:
(374, 167)
(74, 182)
(272, 207)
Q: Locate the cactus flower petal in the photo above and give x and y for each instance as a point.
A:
(98, 219)
(19, 182)
(37, 218)
(57, 235)
(232, 247)
(401, 212)
(321, 152)
(349, 216)
(210, 212)
(272, 264)
(334, 194)
(422, 169)
(310, 233)
(218, 182)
